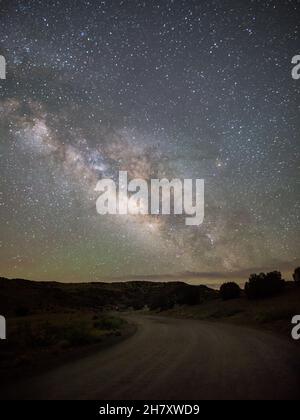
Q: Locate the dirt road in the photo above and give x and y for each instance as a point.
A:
(176, 359)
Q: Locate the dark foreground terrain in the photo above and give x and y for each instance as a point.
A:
(146, 340)
(176, 359)
(49, 323)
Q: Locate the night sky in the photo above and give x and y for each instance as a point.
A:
(173, 88)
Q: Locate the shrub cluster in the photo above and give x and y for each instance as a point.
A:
(259, 286)
(230, 291)
(264, 285)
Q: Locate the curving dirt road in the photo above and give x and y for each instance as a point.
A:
(177, 359)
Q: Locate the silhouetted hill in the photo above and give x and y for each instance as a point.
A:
(21, 296)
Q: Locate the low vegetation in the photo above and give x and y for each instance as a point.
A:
(39, 339)
(267, 301)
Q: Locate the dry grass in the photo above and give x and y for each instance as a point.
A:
(41, 337)
(274, 313)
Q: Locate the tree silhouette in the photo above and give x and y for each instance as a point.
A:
(230, 291)
(264, 285)
(296, 275)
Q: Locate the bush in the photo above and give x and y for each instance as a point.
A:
(264, 285)
(79, 335)
(137, 306)
(188, 295)
(161, 303)
(230, 291)
(109, 323)
(22, 311)
(296, 275)
(44, 336)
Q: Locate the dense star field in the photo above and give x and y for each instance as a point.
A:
(173, 88)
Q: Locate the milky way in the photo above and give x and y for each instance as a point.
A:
(174, 88)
